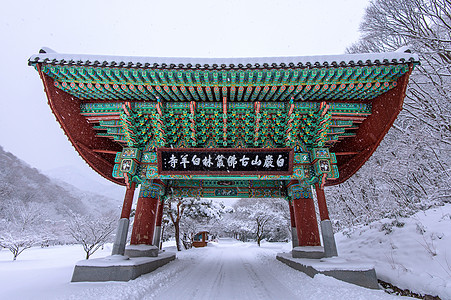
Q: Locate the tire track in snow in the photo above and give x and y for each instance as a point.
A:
(225, 272)
(191, 283)
(269, 286)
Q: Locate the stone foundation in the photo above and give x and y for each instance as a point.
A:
(314, 252)
(141, 251)
(118, 268)
(352, 272)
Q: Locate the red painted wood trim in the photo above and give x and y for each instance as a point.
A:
(294, 181)
(80, 133)
(104, 151)
(385, 109)
(94, 153)
(346, 153)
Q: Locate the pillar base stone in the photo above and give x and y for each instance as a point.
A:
(156, 236)
(121, 237)
(330, 248)
(314, 252)
(115, 268)
(358, 273)
(141, 251)
(294, 237)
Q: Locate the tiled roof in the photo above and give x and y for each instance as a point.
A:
(401, 56)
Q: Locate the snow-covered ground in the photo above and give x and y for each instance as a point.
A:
(412, 253)
(225, 270)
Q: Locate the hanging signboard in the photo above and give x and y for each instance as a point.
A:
(220, 161)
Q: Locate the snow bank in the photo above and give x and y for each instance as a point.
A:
(411, 253)
(227, 270)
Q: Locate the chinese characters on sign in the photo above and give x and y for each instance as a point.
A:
(229, 161)
(226, 192)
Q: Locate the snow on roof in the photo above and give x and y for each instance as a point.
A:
(47, 55)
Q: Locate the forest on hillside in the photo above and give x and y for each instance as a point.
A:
(37, 210)
(410, 170)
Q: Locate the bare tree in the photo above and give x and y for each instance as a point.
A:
(90, 231)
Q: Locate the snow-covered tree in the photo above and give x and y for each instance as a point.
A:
(92, 232)
(16, 240)
(260, 219)
(411, 168)
(424, 27)
(192, 211)
(21, 227)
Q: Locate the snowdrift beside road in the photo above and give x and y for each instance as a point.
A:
(411, 253)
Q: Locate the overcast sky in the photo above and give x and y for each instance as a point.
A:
(236, 28)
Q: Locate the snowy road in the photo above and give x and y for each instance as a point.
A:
(228, 272)
(225, 270)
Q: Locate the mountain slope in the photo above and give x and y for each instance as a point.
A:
(87, 180)
(21, 184)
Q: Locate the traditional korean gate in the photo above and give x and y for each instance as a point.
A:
(254, 127)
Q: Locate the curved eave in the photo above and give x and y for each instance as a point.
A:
(48, 56)
(357, 150)
(80, 133)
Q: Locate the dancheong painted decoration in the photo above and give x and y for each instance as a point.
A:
(226, 127)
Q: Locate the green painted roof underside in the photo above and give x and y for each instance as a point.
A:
(325, 83)
(240, 121)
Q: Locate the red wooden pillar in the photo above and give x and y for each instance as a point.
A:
(306, 224)
(160, 213)
(304, 216)
(146, 212)
(322, 206)
(293, 222)
(128, 201)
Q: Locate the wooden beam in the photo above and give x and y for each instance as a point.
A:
(346, 153)
(104, 151)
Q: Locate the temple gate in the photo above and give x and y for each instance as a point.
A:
(244, 127)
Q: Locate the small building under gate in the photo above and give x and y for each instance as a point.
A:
(225, 127)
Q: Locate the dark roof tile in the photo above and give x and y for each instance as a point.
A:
(45, 55)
